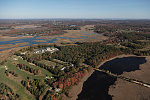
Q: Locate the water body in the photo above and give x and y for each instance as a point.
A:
(97, 85)
(33, 40)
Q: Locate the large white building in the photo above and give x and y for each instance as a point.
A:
(50, 49)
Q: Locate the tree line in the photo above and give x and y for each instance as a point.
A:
(29, 69)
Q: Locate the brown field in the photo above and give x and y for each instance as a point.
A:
(63, 41)
(24, 26)
(77, 89)
(44, 37)
(40, 40)
(6, 46)
(6, 53)
(12, 46)
(91, 36)
(8, 38)
(123, 90)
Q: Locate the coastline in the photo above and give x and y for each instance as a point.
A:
(138, 92)
(76, 90)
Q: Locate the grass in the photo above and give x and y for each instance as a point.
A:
(15, 83)
(53, 62)
(17, 87)
(46, 62)
(43, 71)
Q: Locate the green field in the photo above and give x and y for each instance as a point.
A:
(15, 82)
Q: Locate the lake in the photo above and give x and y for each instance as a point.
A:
(96, 87)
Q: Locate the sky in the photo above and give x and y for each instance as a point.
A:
(101, 9)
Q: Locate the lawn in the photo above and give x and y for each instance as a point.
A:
(15, 82)
(43, 71)
(17, 87)
(48, 63)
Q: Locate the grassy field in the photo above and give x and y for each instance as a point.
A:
(15, 82)
(17, 87)
(44, 72)
(46, 62)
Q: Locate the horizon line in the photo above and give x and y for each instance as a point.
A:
(78, 18)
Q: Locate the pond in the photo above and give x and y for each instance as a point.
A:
(96, 87)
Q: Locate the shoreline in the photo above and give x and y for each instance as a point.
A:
(120, 87)
(77, 89)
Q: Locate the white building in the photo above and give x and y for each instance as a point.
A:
(63, 68)
(57, 90)
(50, 49)
(23, 53)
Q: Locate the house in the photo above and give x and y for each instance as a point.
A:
(52, 49)
(50, 88)
(63, 68)
(71, 65)
(20, 57)
(47, 77)
(53, 67)
(37, 51)
(23, 53)
(43, 50)
(57, 90)
(15, 59)
(52, 77)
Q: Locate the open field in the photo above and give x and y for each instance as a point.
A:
(40, 40)
(15, 82)
(138, 93)
(24, 26)
(46, 62)
(8, 38)
(12, 46)
(5, 54)
(78, 35)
